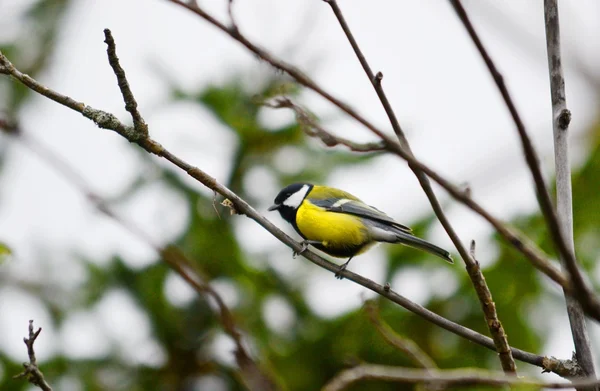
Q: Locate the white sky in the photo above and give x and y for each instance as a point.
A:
(435, 79)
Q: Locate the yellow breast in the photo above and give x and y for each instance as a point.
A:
(334, 230)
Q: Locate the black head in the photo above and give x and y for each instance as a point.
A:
(289, 200)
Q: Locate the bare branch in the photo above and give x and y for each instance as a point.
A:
(423, 180)
(32, 372)
(405, 345)
(510, 234)
(581, 288)
(472, 265)
(130, 103)
(109, 121)
(561, 117)
(491, 316)
(242, 207)
(233, 25)
(446, 378)
(313, 129)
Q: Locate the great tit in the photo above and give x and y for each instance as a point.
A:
(340, 224)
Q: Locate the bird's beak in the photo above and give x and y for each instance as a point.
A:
(274, 207)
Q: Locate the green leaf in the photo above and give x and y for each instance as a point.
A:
(5, 252)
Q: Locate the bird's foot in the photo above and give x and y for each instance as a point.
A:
(305, 244)
(338, 274)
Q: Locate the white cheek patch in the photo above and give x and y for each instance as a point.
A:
(341, 202)
(296, 199)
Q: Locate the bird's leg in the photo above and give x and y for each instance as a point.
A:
(338, 274)
(305, 244)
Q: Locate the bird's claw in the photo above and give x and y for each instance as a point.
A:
(338, 274)
(303, 249)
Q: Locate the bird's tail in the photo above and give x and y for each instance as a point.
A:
(420, 244)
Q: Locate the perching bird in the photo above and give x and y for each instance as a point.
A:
(340, 224)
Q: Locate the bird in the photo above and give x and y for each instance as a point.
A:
(340, 224)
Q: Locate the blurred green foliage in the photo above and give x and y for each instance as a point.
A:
(314, 349)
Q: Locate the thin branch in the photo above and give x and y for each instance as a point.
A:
(581, 288)
(445, 378)
(32, 372)
(109, 121)
(233, 24)
(561, 117)
(313, 129)
(510, 234)
(491, 316)
(423, 180)
(405, 345)
(130, 103)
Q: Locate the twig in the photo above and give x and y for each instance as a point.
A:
(130, 103)
(423, 180)
(405, 345)
(313, 129)
(446, 378)
(109, 121)
(233, 24)
(489, 311)
(561, 117)
(512, 236)
(581, 289)
(32, 372)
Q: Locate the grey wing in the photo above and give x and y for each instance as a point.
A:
(359, 208)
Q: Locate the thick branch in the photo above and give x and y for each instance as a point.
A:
(448, 378)
(561, 117)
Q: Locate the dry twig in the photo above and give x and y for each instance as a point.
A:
(491, 316)
(313, 129)
(32, 372)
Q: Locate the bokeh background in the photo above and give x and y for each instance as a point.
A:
(114, 317)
